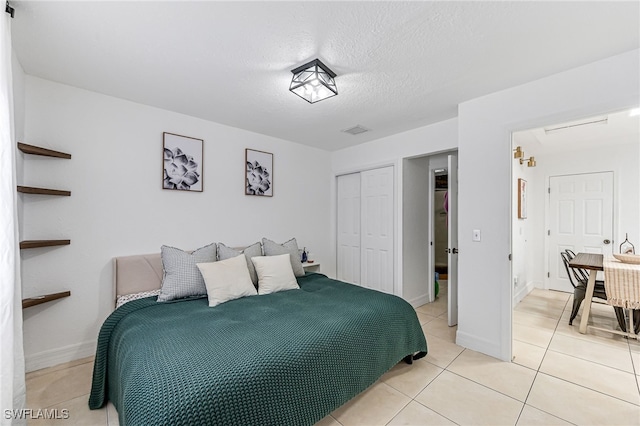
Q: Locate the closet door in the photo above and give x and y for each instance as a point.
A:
(348, 218)
(377, 229)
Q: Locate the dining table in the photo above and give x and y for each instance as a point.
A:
(595, 262)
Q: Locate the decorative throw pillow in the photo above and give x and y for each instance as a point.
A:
(272, 248)
(181, 277)
(135, 296)
(274, 273)
(227, 280)
(253, 250)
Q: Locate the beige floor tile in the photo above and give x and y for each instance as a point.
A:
(634, 347)
(424, 318)
(434, 308)
(548, 310)
(59, 386)
(327, 421)
(610, 355)
(416, 414)
(596, 336)
(550, 294)
(533, 417)
(579, 405)
(505, 377)
(441, 352)
(534, 320)
(532, 335)
(527, 355)
(78, 414)
(112, 415)
(607, 380)
(440, 328)
(466, 402)
(411, 379)
(376, 406)
(59, 367)
(543, 302)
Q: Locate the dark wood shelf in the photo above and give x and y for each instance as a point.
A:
(33, 301)
(43, 191)
(28, 244)
(36, 150)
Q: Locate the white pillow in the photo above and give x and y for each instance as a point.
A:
(227, 280)
(274, 273)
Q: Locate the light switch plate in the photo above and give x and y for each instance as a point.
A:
(476, 235)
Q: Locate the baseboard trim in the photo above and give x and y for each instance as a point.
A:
(419, 301)
(523, 291)
(57, 356)
(474, 343)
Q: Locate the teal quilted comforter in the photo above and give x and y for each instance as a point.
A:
(288, 358)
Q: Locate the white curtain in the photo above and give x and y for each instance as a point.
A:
(12, 380)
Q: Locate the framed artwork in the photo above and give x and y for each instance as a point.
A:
(522, 199)
(259, 173)
(182, 163)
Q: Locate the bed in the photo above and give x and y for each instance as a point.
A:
(290, 357)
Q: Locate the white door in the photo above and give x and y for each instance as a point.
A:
(580, 219)
(452, 250)
(377, 229)
(348, 260)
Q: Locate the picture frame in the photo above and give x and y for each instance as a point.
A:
(258, 173)
(182, 163)
(522, 198)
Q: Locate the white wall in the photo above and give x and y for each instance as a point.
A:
(485, 126)
(117, 206)
(435, 138)
(527, 233)
(415, 234)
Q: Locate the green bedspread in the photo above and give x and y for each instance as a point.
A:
(287, 358)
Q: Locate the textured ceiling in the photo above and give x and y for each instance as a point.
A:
(400, 65)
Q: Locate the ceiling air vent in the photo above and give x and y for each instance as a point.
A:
(355, 130)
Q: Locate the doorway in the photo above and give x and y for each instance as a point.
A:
(581, 194)
(425, 182)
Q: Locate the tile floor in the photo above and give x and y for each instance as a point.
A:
(557, 377)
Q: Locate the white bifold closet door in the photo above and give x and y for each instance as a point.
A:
(365, 229)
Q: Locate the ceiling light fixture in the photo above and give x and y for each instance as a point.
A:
(313, 82)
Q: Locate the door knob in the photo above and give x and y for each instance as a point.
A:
(447, 250)
(607, 241)
(454, 251)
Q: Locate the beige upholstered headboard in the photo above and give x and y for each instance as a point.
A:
(133, 274)
(141, 272)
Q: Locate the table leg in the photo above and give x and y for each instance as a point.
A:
(591, 283)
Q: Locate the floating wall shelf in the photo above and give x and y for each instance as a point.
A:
(36, 150)
(29, 244)
(43, 191)
(33, 301)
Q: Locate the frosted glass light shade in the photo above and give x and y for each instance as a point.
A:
(313, 82)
